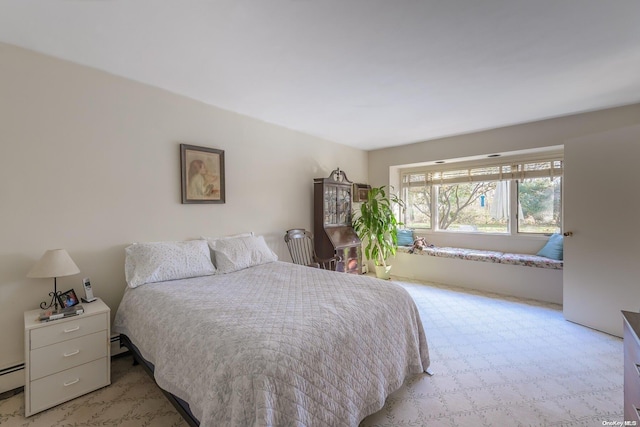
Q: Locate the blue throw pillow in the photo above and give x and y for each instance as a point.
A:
(405, 237)
(554, 248)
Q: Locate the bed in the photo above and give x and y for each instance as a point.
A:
(276, 343)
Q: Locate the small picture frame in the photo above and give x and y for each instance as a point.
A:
(202, 174)
(360, 192)
(68, 299)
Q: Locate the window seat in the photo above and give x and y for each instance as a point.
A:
(526, 260)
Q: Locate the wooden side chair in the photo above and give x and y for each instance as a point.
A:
(300, 244)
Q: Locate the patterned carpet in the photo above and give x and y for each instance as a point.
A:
(497, 361)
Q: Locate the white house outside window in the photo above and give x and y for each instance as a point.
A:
(503, 198)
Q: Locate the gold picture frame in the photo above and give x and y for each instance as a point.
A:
(202, 174)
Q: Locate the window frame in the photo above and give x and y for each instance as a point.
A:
(436, 172)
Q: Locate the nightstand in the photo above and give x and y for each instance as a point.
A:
(65, 358)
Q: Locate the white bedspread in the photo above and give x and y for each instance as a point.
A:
(277, 344)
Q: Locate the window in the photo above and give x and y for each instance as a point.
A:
(479, 198)
(539, 202)
(416, 195)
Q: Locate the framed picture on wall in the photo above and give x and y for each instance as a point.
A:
(202, 170)
(360, 192)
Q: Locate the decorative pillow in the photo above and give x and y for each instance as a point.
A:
(554, 248)
(160, 261)
(405, 237)
(211, 241)
(241, 252)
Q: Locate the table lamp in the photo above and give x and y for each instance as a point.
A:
(54, 263)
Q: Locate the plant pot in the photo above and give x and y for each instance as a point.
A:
(382, 272)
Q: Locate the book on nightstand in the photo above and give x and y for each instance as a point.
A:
(52, 314)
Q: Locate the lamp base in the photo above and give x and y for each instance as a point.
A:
(54, 301)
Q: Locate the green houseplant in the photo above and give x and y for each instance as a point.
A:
(376, 225)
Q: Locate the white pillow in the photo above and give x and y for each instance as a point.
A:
(211, 241)
(241, 252)
(231, 236)
(160, 261)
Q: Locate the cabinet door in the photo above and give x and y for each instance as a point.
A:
(351, 260)
(344, 205)
(330, 204)
(337, 205)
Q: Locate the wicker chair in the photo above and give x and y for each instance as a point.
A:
(300, 244)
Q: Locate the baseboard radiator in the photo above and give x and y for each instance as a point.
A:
(11, 380)
(10, 369)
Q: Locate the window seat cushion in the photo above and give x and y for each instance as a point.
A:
(526, 260)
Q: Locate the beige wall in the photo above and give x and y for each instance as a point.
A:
(545, 133)
(90, 163)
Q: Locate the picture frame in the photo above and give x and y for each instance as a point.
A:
(68, 299)
(360, 192)
(202, 174)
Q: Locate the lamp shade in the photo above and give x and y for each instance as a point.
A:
(54, 263)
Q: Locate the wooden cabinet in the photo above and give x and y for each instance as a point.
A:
(333, 234)
(65, 358)
(631, 366)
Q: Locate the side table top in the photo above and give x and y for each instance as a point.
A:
(31, 317)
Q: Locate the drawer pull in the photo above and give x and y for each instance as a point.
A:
(66, 331)
(73, 353)
(71, 382)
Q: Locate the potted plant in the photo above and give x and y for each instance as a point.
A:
(376, 225)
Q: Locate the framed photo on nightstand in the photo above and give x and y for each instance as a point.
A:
(68, 299)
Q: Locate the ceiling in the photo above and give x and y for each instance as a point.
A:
(365, 73)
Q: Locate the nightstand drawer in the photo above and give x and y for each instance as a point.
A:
(55, 389)
(68, 329)
(67, 354)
